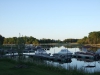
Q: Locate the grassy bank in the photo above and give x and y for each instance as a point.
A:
(11, 67)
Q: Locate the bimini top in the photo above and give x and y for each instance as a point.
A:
(64, 51)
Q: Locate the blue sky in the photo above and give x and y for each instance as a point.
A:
(51, 19)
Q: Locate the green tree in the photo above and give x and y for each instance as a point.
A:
(94, 37)
(35, 42)
(14, 40)
(1, 39)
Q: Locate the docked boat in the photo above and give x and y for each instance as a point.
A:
(63, 53)
(41, 52)
(84, 54)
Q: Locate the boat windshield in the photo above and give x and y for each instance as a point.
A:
(64, 51)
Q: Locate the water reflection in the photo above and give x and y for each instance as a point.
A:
(87, 64)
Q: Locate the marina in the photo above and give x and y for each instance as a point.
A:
(62, 56)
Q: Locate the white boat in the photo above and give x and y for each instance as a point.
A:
(63, 53)
(84, 54)
(41, 52)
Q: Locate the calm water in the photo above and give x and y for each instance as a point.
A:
(75, 62)
(79, 63)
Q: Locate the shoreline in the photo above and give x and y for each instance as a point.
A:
(63, 44)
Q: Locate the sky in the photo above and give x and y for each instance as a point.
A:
(50, 19)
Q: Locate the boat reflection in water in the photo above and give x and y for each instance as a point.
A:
(88, 63)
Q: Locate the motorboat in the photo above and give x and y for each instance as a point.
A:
(41, 52)
(63, 53)
(85, 54)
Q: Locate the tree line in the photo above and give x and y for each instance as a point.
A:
(70, 40)
(92, 38)
(32, 40)
(15, 40)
